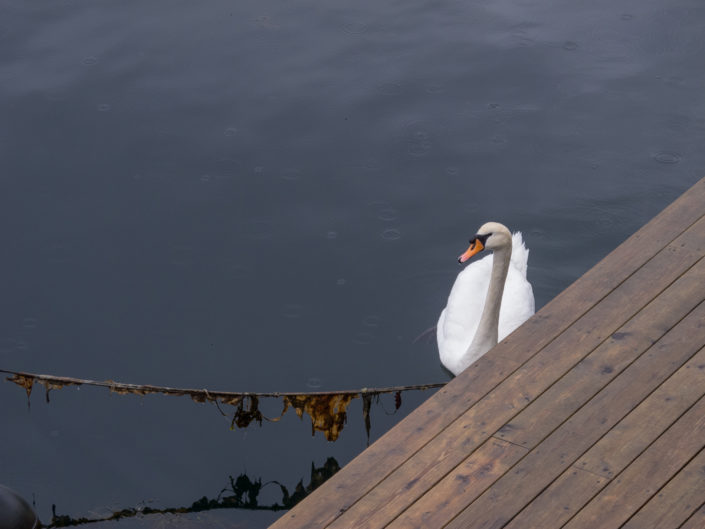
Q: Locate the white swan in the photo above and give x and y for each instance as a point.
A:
(489, 299)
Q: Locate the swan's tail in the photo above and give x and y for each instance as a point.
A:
(520, 253)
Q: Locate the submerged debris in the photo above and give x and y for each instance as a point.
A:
(327, 409)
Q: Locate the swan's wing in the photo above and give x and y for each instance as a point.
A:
(440, 334)
(458, 321)
(518, 297)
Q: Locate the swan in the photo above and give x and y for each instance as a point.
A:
(490, 298)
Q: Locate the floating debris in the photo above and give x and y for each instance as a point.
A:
(327, 409)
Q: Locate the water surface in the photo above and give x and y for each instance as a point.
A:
(270, 196)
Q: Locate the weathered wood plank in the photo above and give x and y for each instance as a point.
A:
(416, 476)
(400, 443)
(697, 520)
(675, 502)
(639, 429)
(426, 468)
(629, 490)
(557, 504)
(607, 361)
(552, 456)
(472, 476)
(617, 449)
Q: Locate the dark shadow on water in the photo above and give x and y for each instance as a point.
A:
(241, 493)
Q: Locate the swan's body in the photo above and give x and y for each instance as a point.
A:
(490, 298)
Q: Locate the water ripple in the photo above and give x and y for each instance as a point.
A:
(435, 88)
(391, 234)
(293, 310)
(418, 139)
(12, 345)
(363, 338)
(313, 383)
(389, 89)
(259, 229)
(355, 28)
(666, 157)
(291, 174)
(387, 214)
(371, 321)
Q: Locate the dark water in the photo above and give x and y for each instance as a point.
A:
(270, 196)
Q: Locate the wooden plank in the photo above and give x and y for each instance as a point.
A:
(617, 449)
(563, 498)
(640, 428)
(404, 440)
(473, 475)
(628, 491)
(548, 460)
(602, 365)
(416, 476)
(697, 520)
(675, 502)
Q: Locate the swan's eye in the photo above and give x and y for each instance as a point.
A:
(482, 238)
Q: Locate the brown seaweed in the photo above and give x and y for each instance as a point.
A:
(326, 409)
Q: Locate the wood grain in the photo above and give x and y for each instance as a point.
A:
(617, 449)
(675, 502)
(470, 479)
(639, 429)
(566, 495)
(607, 360)
(639, 482)
(559, 450)
(697, 519)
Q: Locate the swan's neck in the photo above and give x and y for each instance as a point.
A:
(487, 331)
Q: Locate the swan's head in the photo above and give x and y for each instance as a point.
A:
(490, 236)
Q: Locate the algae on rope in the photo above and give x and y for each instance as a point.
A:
(327, 409)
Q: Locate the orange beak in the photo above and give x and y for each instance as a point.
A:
(475, 247)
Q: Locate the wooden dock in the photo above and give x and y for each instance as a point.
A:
(590, 415)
